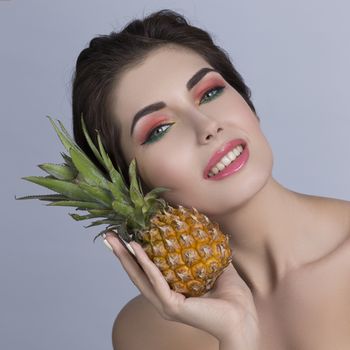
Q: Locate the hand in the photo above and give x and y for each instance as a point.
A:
(227, 311)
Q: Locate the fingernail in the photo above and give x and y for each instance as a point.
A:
(130, 247)
(107, 245)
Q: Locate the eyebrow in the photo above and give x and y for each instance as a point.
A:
(159, 105)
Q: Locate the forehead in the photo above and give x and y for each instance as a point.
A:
(162, 74)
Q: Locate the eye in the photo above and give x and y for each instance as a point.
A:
(156, 133)
(212, 93)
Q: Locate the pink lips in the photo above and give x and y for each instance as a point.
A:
(234, 166)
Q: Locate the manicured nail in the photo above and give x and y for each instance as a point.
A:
(107, 245)
(130, 247)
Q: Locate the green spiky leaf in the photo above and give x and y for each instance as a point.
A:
(80, 183)
(63, 135)
(102, 212)
(45, 197)
(79, 204)
(89, 141)
(59, 171)
(117, 194)
(97, 193)
(123, 209)
(69, 161)
(78, 217)
(153, 194)
(135, 193)
(68, 189)
(101, 222)
(114, 175)
(87, 169)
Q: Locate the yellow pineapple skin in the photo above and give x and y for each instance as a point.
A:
(189, 249)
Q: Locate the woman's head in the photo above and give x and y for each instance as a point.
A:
(151, 61)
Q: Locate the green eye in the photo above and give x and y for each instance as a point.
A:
(157, 133)
(160, 130)
(212, 93)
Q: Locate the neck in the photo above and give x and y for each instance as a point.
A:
(269, 235)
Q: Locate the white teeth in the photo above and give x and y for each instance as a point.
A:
(236, 152)
(231, 156)
(220, 166)
(215, 170)
(226, 160)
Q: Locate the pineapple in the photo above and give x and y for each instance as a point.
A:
(189, 249)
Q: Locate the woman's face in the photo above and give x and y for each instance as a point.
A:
(173, 144)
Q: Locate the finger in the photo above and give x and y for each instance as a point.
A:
(156, 278)
(230, 283)
(167, 301)
(134, 270)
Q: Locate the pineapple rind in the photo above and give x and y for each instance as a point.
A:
(175, 247)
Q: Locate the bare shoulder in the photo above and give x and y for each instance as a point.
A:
(318, 294)
(336, 209)
(335, 214)
(330, 275)
(341, 209)
(326, 280)
(139, 326)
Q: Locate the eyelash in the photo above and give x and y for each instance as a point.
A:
(151, 137)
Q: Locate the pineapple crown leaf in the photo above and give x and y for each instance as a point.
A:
(69, 162)
(123, 209)
(44, 197)
(91, 174)
(80, 183)
(135, 192)
(120, 190)
(78, 217)
(68, 189)
(97, 193)
(81, 205)
(63, 135)
(82, 163)
(59, 171)
(90, 143)
(121, 228)
(153, 194)
(113, 173)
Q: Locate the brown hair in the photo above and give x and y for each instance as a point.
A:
(100, 64)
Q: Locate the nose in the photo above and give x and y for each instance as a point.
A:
(207, 128)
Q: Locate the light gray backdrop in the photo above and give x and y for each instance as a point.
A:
(58, 289)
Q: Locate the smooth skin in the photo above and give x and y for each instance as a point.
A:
(289, 281)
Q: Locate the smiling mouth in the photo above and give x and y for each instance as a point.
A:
(226, 160)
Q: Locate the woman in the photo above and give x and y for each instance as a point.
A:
(288, 284)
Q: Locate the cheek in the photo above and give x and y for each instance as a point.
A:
(166, 169)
